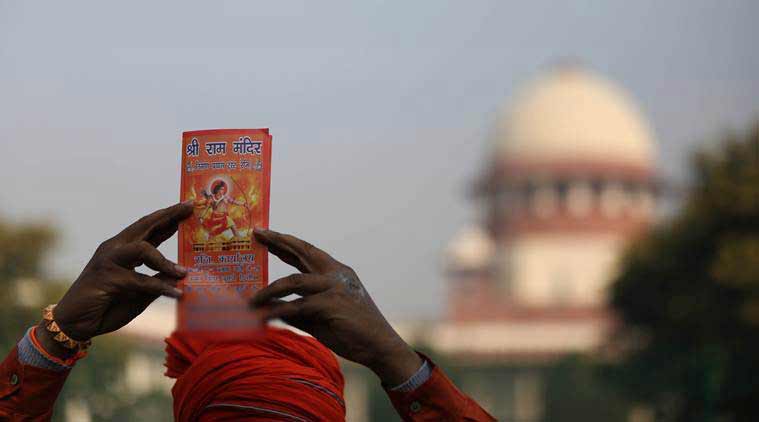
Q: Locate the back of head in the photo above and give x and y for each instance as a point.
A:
(274, 374)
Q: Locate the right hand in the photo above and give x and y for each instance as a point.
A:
(109, 292)
(335, 308)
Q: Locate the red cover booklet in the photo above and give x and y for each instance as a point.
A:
(226, 174)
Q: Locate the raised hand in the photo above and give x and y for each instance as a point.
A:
(335, 308)
(109, 292)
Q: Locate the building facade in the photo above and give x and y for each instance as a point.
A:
(569, 182)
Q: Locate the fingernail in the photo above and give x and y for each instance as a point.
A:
(259, 230)
(176, 292)
(187, 202)
(180, 268)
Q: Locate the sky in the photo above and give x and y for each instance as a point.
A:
(379, 110)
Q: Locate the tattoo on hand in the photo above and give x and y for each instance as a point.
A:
(351, 282)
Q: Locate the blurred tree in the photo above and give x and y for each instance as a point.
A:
(688, 296)
(22, 251)
(577, 390)
(97, 381)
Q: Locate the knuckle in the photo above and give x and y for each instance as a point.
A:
(98, 264)
(144, 249)
(295, 282)
(150, 283)
(342, 292)
(344, 273)
(315, 306)
(105, 246)
(312, 253)
(308, 247)
(329, 295)
(346, 270)
(144, 219)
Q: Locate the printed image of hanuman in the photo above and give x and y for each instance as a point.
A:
(215, 214)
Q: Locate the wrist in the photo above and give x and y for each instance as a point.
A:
(397, 364)
(50, 345)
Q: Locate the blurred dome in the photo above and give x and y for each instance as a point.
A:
(573, 114)
(470, 249)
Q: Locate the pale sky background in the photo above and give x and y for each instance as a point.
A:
(379, 110)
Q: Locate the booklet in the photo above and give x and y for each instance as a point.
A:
(226, 174)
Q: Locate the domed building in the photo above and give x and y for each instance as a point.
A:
(570, 180)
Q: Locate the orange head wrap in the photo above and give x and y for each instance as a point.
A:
(276, 374)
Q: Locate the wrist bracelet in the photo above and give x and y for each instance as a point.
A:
(63, 363)
(60, 336)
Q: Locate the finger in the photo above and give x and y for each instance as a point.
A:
(300, 321)
(293, 310)
(157, 285)
(158, 226)
(137, 253)
(300, 284)
(289, 258)
(162, 233)
(296, 252)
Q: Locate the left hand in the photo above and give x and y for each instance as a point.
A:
(335, 308)
(109, 293)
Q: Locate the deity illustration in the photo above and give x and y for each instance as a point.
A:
(214, 216)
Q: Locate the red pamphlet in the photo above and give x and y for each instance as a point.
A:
(226, 174)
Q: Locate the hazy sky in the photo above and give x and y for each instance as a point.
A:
(379, 110)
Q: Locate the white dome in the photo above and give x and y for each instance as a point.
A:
(470, 249)
(572, 114)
